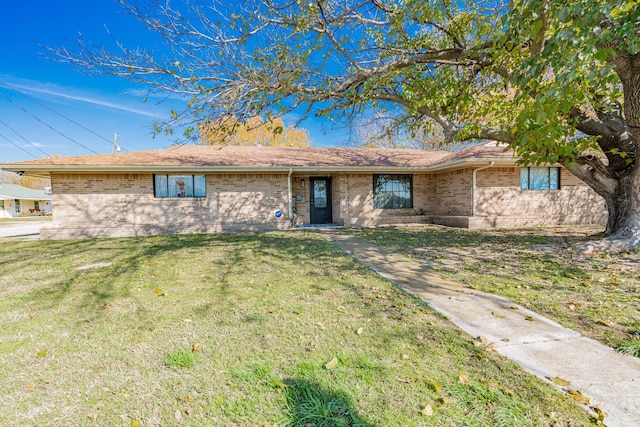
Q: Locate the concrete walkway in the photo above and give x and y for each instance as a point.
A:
(24, 229)
(609, 379)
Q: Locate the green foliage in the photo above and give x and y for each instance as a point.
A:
(631, 347)
(528, 72)
(180, 358)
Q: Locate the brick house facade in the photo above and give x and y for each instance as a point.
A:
(242, 189)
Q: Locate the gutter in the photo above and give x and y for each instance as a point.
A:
(289, 194)
(473, 186)
(325, 169)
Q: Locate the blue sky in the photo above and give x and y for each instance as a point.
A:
(49, 108)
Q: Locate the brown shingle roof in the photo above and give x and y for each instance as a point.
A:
(259, 157)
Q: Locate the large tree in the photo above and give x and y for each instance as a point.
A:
(556, 80)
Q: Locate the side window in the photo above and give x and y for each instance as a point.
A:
(169, 186)
(540, 178)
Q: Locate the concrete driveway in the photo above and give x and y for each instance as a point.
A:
(26, 229)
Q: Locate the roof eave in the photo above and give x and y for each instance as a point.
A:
(472, 162)
(266, 169)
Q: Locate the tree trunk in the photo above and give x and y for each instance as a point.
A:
(623, 224)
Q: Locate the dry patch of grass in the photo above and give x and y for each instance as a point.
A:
(597, 294)
(267, 329)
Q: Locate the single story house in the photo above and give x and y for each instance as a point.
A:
(210, 189)
(18, 201)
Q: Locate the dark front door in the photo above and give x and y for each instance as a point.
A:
(320, 200)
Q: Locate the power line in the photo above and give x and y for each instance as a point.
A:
(7, 85)
(52, 110)
(49, 126)
(10, 141)
(25, 139)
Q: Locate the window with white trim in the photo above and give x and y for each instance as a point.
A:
(540, 178)
(166, 186)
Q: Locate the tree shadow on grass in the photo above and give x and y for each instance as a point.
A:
(311, 405)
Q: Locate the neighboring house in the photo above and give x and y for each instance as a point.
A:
(18, 201)
(208, 189)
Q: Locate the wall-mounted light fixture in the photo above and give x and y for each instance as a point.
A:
(302, 183)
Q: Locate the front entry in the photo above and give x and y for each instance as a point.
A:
(320, 200)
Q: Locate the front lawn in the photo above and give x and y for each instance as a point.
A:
(597, 295)
(239, 330)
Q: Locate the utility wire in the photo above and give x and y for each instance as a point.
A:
(49, 126)
(10, 141)
(25, 139)
(7, 85)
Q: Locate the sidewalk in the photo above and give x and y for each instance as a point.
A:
(609, 379)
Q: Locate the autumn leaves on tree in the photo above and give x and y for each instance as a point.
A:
(228, 130)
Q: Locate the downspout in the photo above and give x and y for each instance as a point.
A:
(473, 187)
(290, 202)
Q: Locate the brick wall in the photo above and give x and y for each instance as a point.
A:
(112, 205)
(499, 198)
(92, 205)
(355, 204)
(453, 193)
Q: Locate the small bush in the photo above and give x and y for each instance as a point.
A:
(181, 358)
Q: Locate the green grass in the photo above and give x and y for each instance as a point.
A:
(11, 221)
(239, 330)
(597, 295)
(180, 358)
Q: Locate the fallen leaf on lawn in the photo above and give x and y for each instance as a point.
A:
(501, 316)
(427, 411)
(134, 423)
(360, 331)
(560, 381)
(480, 341)
(463, 379)
(600, 412)
(42, 353)
(444, 400)
(404, 380)
(508, 392)
(187, 320)
(196, 346)
(29, 386)
(404, 356)
(178, 416)
(530, 318)
(602, 322)
(578, 397)
(185, 398)
(188, 410)
(331, 363)
(158, 291)
(92, 416)
(32, 316)
(435, 385)
(342, 308)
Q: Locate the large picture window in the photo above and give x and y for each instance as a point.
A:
(539, 178)
(179, 186)
(393, 191)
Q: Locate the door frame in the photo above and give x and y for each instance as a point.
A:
(312, 180)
